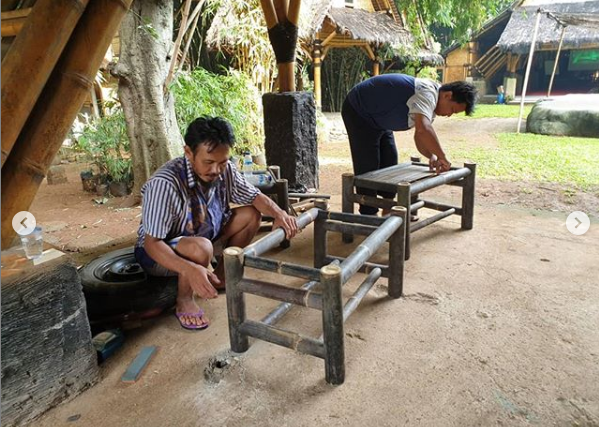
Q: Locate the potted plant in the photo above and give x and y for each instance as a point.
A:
(106, 141)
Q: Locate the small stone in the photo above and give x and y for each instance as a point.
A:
(73, 418)
(57, 175)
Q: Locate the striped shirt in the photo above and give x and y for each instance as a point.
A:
(166, 207)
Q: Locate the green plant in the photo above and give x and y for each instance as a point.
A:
(106, 141)
(231, 96)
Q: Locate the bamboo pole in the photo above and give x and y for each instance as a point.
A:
(368, 247)
(442, 207)
(559, 49)
(281, 7)
(316, 60)
(332, 324)
(347, 201)
(195, 18)
(275, 237)
(445, 178)
(354, 301)
(13, 21)
(282, 267)
(284, 338)
(341, 227)
(404, 198)
(57, 107)
(320, 234)
(366, 268)
(374, 221)
(528, 67)
(175, 51)
(30, 61)
(397, 247)
(468, 192)
(283, 308)
(233, 258)
(294, 11)
(301, 297)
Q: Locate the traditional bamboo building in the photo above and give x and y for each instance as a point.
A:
(329, 24)
(497, 53)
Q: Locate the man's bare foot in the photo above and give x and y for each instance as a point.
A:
(191, 318)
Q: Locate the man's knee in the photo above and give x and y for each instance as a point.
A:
(197, 249)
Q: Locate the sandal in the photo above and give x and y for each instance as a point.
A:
(197, 315)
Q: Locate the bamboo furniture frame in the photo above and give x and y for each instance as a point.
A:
(408, 181)
(331, 277)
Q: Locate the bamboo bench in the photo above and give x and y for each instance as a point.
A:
(331, 273)
(407, 181)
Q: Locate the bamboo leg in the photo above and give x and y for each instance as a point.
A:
(320, 235)
(282, 191)
(397, 246)
(233, 258)
(332, 322)
(468, 197)
(404, 199)
(347, 204)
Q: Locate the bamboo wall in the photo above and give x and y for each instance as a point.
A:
(456, 65)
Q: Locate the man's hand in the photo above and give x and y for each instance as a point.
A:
(287, 222)
(439, 165)
(200, 280)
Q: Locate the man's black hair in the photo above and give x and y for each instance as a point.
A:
(462, 93)
(213, 131)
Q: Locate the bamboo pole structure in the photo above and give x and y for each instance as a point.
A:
(404, 198)
(354, 301)
(441, 207)
(559, 49)
(368, 247)
(175, 51)
(191, 29)
(366, 268)
(347, 202)
(528, 67)
(286, 268)
(301, 297)
(233, 259)
(57, 107)
(397, 249)
(341, 227)
(283, 15)
(275, 237)
(431, 220)
(320, 235)
(283, 338)
(317, 62)
(30, 61)
(332, 324)
(468, 194)
(13, 21)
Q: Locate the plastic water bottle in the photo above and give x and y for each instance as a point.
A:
(262, 180)
(248, 164)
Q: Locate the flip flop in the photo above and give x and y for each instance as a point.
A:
(197, 315)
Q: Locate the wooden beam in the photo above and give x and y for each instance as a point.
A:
(328, 39)
(30, 61)
(13, 21)
(369, 52)
(57, 107)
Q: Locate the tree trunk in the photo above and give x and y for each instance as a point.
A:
(146, 39)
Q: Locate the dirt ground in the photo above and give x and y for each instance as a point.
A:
(497, 327)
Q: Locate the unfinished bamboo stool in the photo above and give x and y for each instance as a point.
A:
(408, 181)
(331, 277)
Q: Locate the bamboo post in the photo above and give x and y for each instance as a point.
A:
(282, 192)
(404, 199)
(320, 234)
(559, 49)
(30, 61)
(233, 259)
(175, 51)
(195, 17)
(316, 59)
(57, 107)
(376, 66)
(347, 203)
(397, 247)
(468, 192)
(332, 324)
(528, 67)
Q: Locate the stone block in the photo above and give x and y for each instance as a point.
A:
(290, 137)
(57, 175)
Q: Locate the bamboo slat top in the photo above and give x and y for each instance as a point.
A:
(387, 179)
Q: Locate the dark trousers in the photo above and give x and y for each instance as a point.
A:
(371, 149)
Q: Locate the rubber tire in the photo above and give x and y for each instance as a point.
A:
(133, 291)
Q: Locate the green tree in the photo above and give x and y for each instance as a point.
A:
(449, 20)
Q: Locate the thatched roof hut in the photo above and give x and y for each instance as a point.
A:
(517, 36)
(323, 25)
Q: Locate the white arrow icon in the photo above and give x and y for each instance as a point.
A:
(578, 223)
(24, 223)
